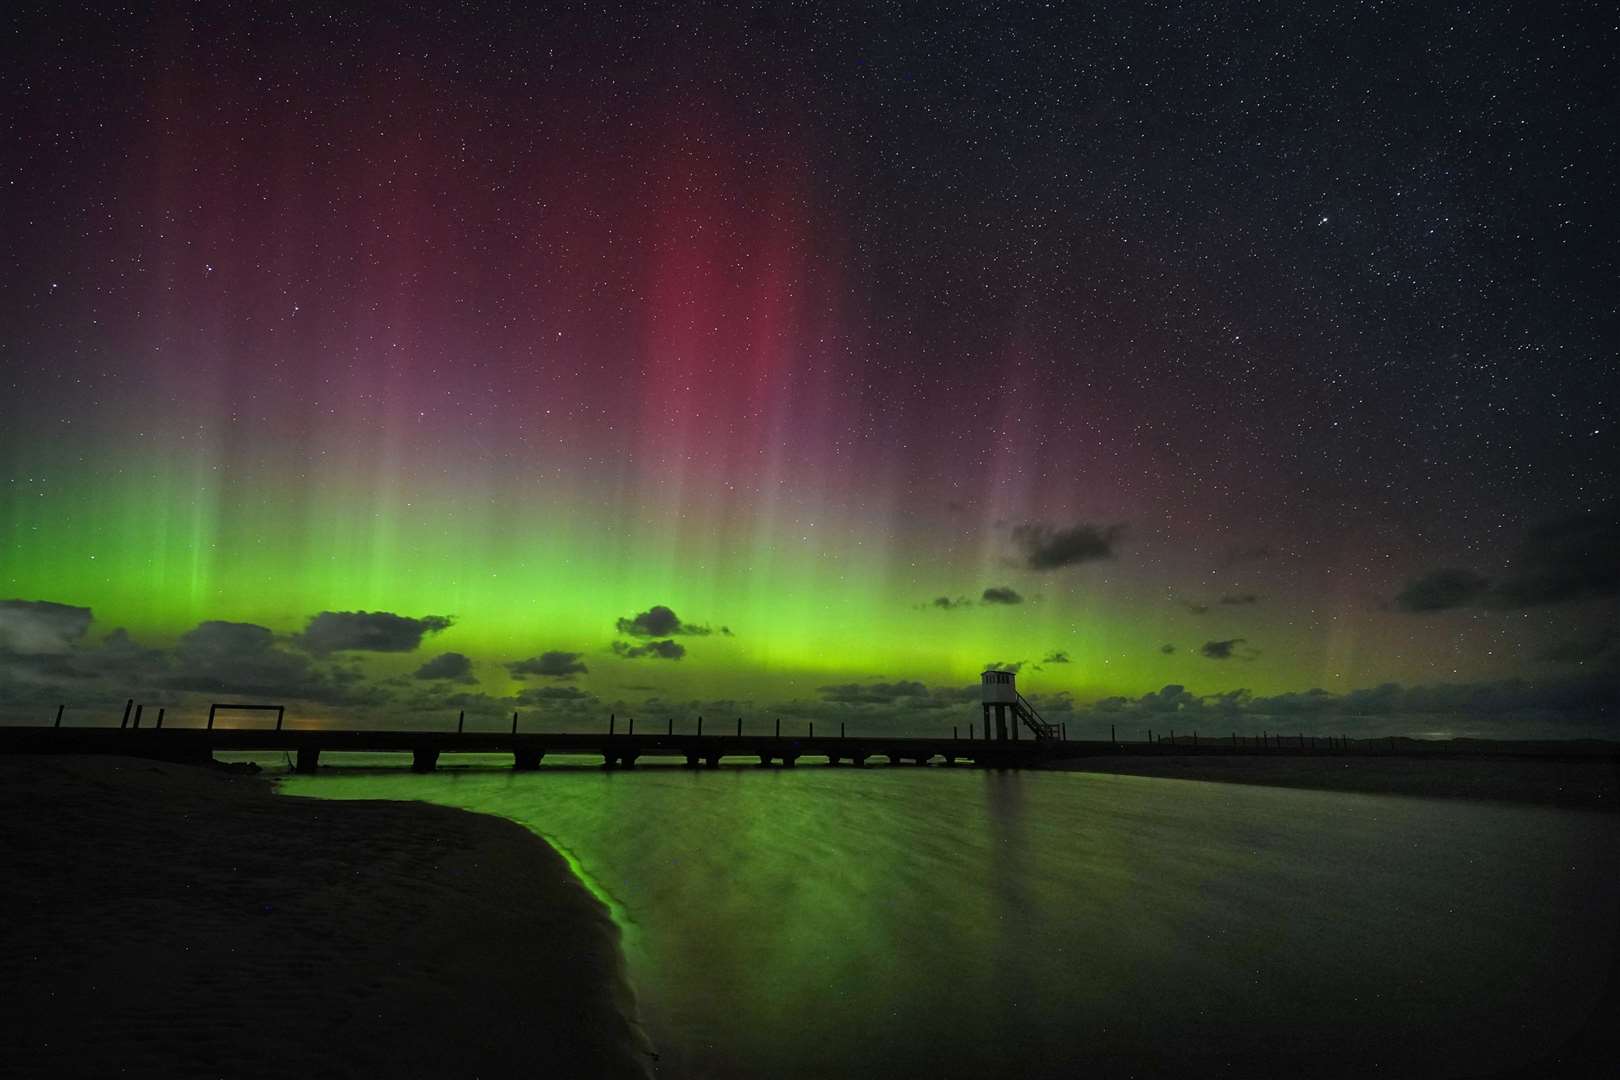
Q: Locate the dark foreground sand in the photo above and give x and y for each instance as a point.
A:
(1580, 785)
(171, 921)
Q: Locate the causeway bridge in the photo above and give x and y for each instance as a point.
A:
(618, 749)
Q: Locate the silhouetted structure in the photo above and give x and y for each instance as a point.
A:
(999, 694)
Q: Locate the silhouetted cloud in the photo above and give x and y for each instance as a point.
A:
(1195, 607)
(244, 658)
(367, 631)
(1001, 594)
(1562, 560)
(654, 650)
(1440, 590)
(1568, 558)
(659, 621)
(554, 697)
(1056, 658)
(1581, 650)
(1046, 548)
(1239, 599)
(1221, 650)
(552, 665)
(945, 603)
(1167, 649)
(41, 627)
(450, 665)
(873, 693)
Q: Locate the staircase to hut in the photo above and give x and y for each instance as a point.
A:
(1032, 719)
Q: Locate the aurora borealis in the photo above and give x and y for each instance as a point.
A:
(805, 361)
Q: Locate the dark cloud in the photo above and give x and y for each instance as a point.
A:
(1222, 650)
(1046, 548)
(244, 658)
(1559, 561)
(1001, 594)
(655, 650)
(41, 627)
(555, 697)
(552, 665)
(1440, 590)
(1056, 658)
(1582, 650)
(1569, 558)
(945, 603)
(367, 631)
(450, 665)
(1167, 649)
(659, 621)
(873, 693)
(1239, 599)
(1014, 666)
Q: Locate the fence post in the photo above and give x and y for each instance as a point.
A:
(632, 725)
(739, 727)
(514, 723)
(461, 721)
(59, 709)
(812, 729)
(161, 711)
(211, 709)
(138, 710)
(612, 720)
(778, 727)
(700, 727)
(130, 704)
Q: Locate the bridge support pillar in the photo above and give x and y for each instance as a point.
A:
(789, 760)
(712, 761)
(628, 761)
(527, 760)
(308, 758)
(858, 760)
(764, 761)
(424, 760)
(833, 759)
(691, 761)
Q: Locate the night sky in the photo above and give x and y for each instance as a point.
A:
(804, 360)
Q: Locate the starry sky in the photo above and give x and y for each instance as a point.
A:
(806, 359)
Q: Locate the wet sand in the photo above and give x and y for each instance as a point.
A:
(1575, 784)
(171, 921)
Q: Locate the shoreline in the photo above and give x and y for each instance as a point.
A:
(1569, 784)
(170, 920)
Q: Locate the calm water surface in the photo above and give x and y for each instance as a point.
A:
(963, 923)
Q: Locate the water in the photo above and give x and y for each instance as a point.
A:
(963, 923)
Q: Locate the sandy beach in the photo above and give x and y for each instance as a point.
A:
(165, 920)
(1578, 785)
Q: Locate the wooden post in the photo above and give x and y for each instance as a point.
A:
(138, 710)
(611, 721)
(161, 711)
(1195, 740)
(739, 727)
(1113, 736)
(778, 727)
(632, 725)
(700, 727)
(953, 734)
(1063, 726)
(130, 704)
(281, 714)
(840, 729)
(461, 721)
(59, 709)
(671, 730)
(812, 729)
(514, 723)
(211, 709)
